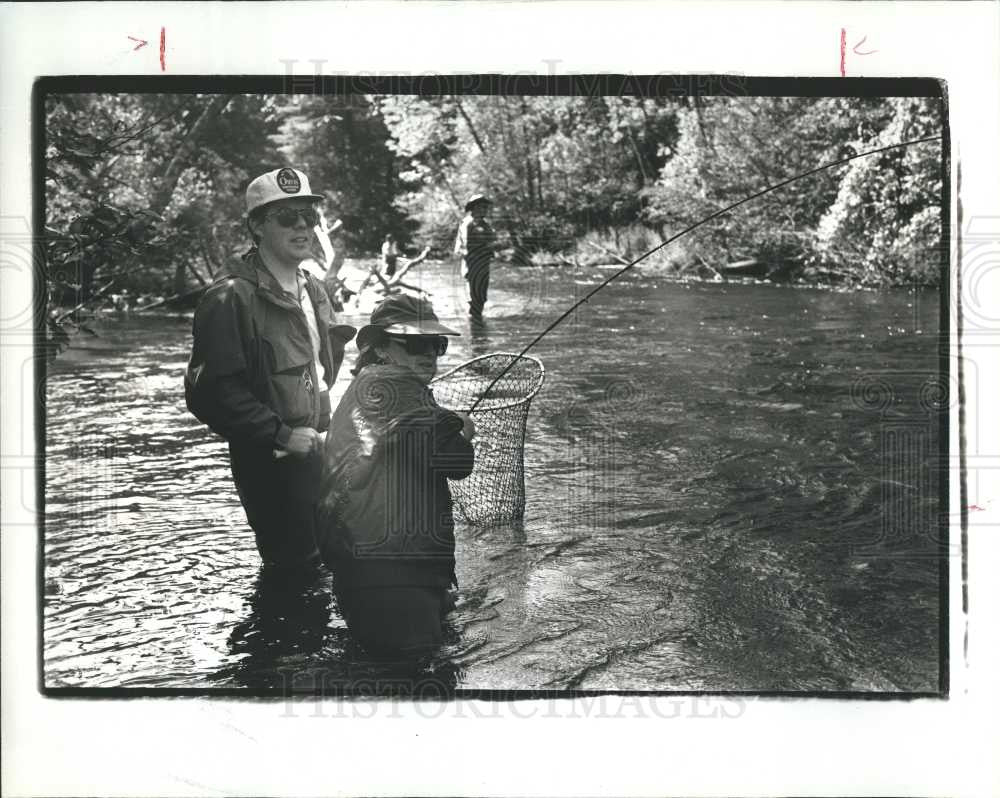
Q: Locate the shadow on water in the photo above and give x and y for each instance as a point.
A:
(293, 639)
(479, 338)
(288, 624)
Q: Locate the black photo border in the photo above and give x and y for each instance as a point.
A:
(580, 85)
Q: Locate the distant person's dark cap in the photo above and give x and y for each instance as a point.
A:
(477, 199)
(402, 314)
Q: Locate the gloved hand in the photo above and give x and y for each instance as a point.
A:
(468, 425)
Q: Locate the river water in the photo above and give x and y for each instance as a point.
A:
(729, 487)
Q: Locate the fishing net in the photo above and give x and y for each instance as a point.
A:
(494, 492)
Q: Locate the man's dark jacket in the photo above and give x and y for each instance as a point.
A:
(252, 376)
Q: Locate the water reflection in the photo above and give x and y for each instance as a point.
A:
(479, 338)
(288, 622)
(293, 639)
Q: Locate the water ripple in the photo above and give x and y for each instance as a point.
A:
(706, 509)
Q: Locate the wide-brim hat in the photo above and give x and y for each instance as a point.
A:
(279, 184)
(477, 199)
(402, 314)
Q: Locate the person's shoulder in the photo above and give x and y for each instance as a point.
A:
(236, 275)
(388, 373)
(234, 284)
(389, 390)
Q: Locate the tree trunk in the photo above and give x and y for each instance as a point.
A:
(440, 175)
(538, 170)
(166, 184)
(211, 258)
(213, 251)
(638, 158)
(164, 190)
(468, 122)
(701, 123)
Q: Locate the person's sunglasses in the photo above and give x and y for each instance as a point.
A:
(422, 344)
(289, 217)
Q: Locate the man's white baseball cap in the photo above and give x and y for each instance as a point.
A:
(279, 184)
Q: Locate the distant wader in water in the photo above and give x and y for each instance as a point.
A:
(474, 244)
(390, 255)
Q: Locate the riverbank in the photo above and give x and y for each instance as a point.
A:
(675, 265)
(682, 260)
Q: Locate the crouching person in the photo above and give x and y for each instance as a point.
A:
(385, 524)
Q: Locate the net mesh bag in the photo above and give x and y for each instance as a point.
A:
(494, 492)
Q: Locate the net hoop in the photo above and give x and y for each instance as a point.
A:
(514, 402)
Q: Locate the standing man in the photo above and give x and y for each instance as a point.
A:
(390, 254)
(475, 244)
(266, 351)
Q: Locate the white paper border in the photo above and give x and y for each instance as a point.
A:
(774, 747)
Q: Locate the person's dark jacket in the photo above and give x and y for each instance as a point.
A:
(252, 375)
(385, 510)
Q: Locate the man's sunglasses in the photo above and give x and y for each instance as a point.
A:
(422, 344)
(289, 217)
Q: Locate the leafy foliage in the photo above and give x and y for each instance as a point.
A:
(340, 141)
(885, 222)
(555, 167)
(869, 221)
(144, 192)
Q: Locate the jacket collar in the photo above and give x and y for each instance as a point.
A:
(253, 270)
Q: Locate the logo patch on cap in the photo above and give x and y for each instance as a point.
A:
(288, 181)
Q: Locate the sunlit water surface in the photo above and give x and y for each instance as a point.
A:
(729, 487)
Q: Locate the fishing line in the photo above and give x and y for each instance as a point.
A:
(684, 232)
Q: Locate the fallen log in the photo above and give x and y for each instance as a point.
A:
(705, 264)
(621, 259)
(169, 299)
(391, 284)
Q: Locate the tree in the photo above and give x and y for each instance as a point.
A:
(860, 222)
(341, 142)
(555, 167)
(143, 190)
(885, 223)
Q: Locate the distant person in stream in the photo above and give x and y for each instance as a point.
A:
(266, 351)
(385, 521)
(390, 255)
(475, 244)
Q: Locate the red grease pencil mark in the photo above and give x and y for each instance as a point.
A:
(163, 49)
(142, 42)
(975, 508)
(843, 50)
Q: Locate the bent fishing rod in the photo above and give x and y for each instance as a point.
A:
(684, 232)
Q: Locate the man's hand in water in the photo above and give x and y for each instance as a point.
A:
(468, 425)
(303, 441)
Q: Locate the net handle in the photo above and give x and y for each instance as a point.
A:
(514, 358)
